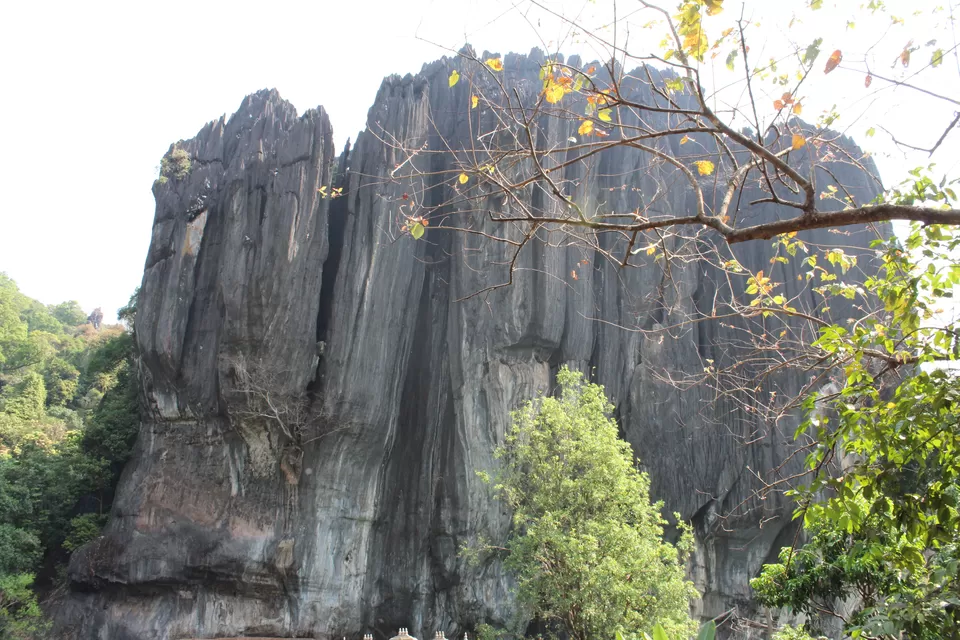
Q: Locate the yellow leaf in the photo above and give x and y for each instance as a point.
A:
(463, 178)
(714, 7)
(473, 102)
(586, 127)
(416, 231)
(495, 63)
(684, 140)
(454, 77)
(604, 114)
(651, 249)
(798, 141)
(554, 92)
(797, 108)
(705, 167)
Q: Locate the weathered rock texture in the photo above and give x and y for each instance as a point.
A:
(223, 526)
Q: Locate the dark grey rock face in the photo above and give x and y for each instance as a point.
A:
(225, 526)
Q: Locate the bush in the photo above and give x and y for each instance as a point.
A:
(587, 549)
(176, 164)
(83, 529)
(20, 615)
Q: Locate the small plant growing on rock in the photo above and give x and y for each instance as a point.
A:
(176, 164)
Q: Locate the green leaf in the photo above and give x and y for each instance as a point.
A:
(732, 57)
(604, 114)
(937, 59)
(813, 50)
(659, 633)
(708, 631)
(417, 230)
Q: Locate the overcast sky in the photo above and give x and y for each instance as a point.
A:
(95, 92)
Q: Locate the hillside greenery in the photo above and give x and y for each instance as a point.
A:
(68, 419)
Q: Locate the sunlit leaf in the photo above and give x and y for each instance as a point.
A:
(454, 77)
(463, 178)
(798, 141)
(685, 139)
(586, 128)
(604, 114)
(495, 63)
(905, 56)
(474, 101)
(797, 108)
(416, 231)
(705, 167)
(937, 59)
(778, 104)
(833, 61)
(870, 132)
(708, 631)
(554, 92)
(714, 7)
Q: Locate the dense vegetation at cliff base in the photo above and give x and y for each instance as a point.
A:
(68, 420)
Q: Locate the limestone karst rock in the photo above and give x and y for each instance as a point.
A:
(223, 526)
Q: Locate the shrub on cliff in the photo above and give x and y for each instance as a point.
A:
(176, 164)
(588, 550)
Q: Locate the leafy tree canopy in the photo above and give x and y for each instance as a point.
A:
(588, 548)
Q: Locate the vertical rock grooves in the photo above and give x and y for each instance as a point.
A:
(226, 526)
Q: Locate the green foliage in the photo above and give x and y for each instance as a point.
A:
(69, 313)
(60, 379)
(113, 427)
(789, 632)
(83, 529)
(20, 615)
(588, 549)
(887, 530)
(68, 418)
(175, 164)
(128, 313)
(13, 330)
(26, 401)
(41, 485)
(20, 550)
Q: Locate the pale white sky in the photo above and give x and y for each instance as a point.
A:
(95, 92)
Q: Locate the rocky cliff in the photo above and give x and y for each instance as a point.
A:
(343, 512)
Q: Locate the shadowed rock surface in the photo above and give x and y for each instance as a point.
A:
(225, 526)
